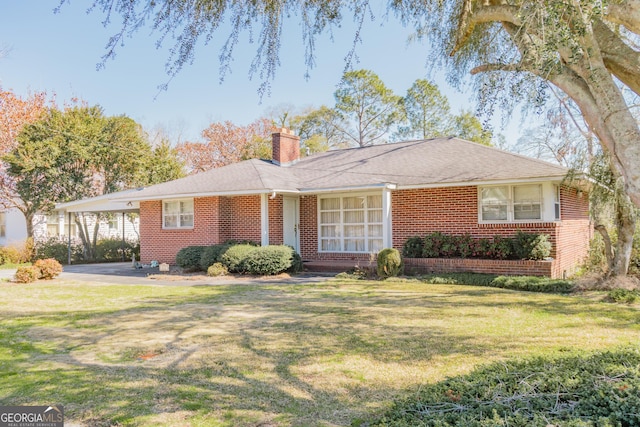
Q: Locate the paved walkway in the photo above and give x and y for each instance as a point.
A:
(124, 273)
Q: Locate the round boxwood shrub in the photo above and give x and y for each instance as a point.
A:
(217, 269)
(269, 260)
(389, 263)
(234, 257)
(211, 255)
(48, 268)
(189, 257)
(26, 274)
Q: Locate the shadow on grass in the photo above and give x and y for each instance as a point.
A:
(285, 355)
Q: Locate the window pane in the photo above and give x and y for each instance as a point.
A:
(330, 217)
(354, 217)
(494, 203)
(186, 220)
(375, 245)
(495, 195)
(171, 207)
(526, 211)
(375, 216)
(354, 230)
(330, 231)
(330, 245)
(494, 213)
(53, 219)
(330, 204)
(526, 194)
(353, 202)
(374, 202)
(170, 221)
(186, 206)
(52, 230)
(375, 231)
(354, 245)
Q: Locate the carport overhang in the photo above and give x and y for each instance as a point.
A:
(98, 205)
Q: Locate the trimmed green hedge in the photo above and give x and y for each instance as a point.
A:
(439, 245)
(269, 260)
(517, 283)
(598, 390)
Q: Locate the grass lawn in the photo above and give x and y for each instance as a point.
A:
(317, 355)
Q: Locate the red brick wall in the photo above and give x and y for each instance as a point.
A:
(574, 232)
(309, 227)
(163, 245)
(285, 147)
(216, 219)
(275, 221)
(240, 218)
(452, 210)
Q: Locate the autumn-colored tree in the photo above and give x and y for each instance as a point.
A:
(225, 143)
(15, 113)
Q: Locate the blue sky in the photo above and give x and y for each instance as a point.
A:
(58, 53)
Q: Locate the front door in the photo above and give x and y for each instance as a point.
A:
(291, 222)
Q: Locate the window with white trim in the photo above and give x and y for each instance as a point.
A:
(53, 226)
(556, 202)
(177, 213)
(506, 203)
(350, 223)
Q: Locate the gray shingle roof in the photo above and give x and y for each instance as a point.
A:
(428, 163)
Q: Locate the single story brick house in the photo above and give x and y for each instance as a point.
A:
(344, 205)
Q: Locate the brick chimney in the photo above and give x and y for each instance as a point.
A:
(286, 147)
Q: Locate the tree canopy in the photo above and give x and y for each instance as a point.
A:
(516, 48)
(77, 153)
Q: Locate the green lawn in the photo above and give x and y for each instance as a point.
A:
(317, 355)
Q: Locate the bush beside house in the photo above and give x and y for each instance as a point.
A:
(529, 246)
(244, 257)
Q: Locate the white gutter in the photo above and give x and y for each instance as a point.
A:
(477, 183)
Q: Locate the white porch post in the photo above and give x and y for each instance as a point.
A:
(264, 219)
(387, 235)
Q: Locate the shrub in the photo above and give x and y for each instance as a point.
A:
(389, 263)
(500, 248)
(15, 254)
(595, 390)
(471, 279)
(413, 247)
(466, 246)
(625, 296)
(269, 260)
(296, 263)
(189, 257)
(57, 249)
(531, 246)
(233, 258)
(217, 269)
(26, 274)
(432, 245)
(111, 250)
(516, 283)
(211, 255)
(533, 284)
(48, 268)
